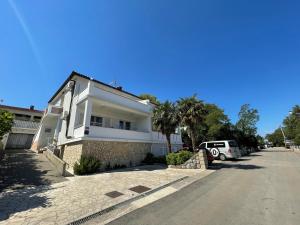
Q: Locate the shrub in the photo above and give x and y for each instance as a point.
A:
(178, 158)
(183, 156)
(171, 158)
(87, 165)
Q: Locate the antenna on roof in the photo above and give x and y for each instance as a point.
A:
(113, 83)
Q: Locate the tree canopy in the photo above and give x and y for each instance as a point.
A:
(6, 122)
(191, 112)
(248, 117)
(166, 120)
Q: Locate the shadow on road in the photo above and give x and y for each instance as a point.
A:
(24, 177)
(22, 200)
(24, 168)
(235, 166)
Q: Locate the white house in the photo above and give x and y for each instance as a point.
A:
(88, 117)
(26, 123)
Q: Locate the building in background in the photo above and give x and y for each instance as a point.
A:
(88, 117)
(26, 123)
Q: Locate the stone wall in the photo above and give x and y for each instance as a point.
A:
(72, 153)
(108, 152)
(117, 153)
(199, 160)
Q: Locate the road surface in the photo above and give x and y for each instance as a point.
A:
(262, 189)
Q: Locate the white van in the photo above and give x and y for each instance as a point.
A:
(227, 149)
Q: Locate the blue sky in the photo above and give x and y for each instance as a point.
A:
(229, 52)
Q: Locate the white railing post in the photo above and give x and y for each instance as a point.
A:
(87, 115)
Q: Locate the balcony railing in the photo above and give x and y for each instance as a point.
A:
(25, 124)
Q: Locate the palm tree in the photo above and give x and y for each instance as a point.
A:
(166, 120)
(191, 112)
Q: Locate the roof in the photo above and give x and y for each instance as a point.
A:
(74, 73)
(21, 109)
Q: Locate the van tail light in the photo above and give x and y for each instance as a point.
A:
(229, 150)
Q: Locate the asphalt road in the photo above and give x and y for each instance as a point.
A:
(262, 189)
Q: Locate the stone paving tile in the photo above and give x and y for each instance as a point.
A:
(80, 196)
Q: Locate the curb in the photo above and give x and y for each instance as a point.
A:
(118, 205)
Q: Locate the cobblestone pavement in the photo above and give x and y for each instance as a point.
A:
(24, 168)
(65, 202)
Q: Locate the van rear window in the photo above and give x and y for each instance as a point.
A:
(232, 144)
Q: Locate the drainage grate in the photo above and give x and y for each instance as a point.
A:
(114, 194)
(140, 189)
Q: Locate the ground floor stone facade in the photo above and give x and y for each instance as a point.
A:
(108, 152)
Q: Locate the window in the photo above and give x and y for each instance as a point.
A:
(37, 118)
(220, 144)
(210, 145)
(96, 121)
(80, 119)
(202, 146)
(127, 125)
(22, 117)
(121, 124)
(216, 145)
(47, 130)
(232, 144)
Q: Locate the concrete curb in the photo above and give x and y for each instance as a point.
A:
(126, 202)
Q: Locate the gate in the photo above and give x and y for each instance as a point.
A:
(19, 141)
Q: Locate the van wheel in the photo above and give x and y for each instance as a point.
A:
(222, 157)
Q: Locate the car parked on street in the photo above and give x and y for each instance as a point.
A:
(225, 149)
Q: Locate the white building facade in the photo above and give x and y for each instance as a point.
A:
(88, 117)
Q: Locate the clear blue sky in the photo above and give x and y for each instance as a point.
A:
(230, 52)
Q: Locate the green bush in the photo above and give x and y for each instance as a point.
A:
(171, 158)
(178, 158)
(87, 165)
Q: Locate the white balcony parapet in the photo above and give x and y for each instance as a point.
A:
(53, 110)
(112, 133)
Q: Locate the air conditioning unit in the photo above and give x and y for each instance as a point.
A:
(70, 85)
(65, 115)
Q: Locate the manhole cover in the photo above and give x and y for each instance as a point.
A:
(139, 189)
(114, 194)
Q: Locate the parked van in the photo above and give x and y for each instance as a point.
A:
(227, 149)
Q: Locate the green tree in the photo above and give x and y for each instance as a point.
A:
(276, 137)
(292, 124)
(248, 117)
(166, 120)
(6, 122)
(216, 121)
(191, 113)
(152, 98)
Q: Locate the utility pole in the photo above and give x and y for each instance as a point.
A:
(284, 137)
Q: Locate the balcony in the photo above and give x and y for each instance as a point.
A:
(25, 124)
(53, 110)
(113, 133)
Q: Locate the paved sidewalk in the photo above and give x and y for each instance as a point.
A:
(24, 168)
(65, 202)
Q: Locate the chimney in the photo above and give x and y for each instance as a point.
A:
(31, 107)
(120, 88)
